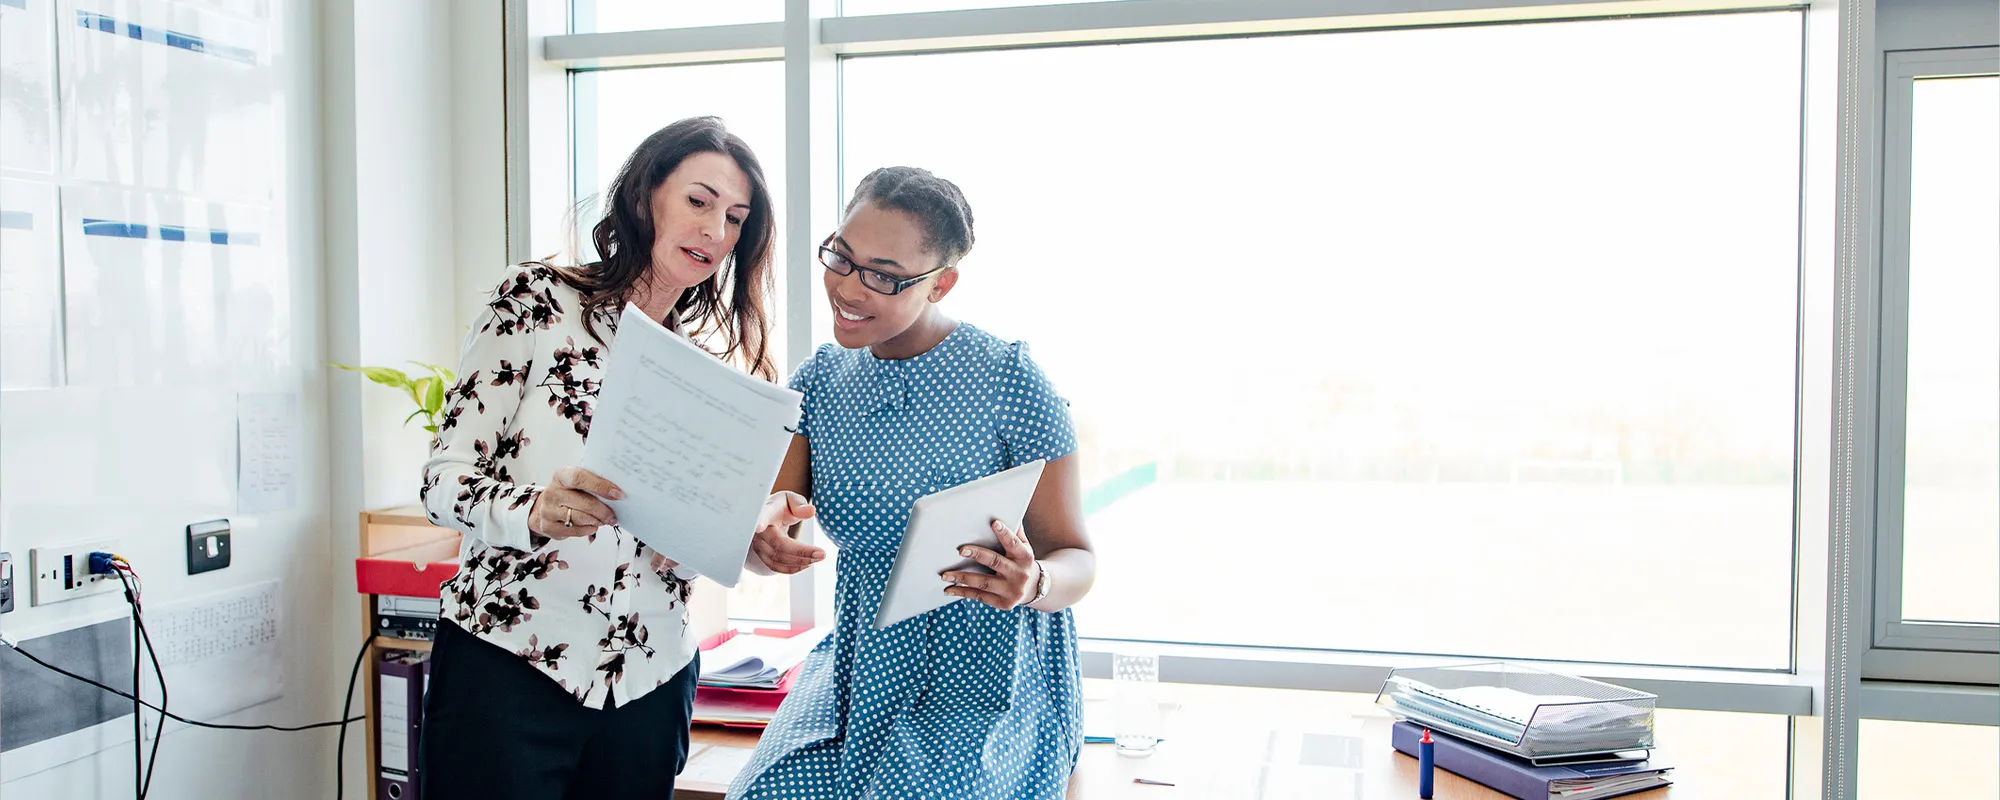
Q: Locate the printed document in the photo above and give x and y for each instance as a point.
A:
(694, 443)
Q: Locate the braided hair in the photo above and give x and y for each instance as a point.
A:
(937, 204)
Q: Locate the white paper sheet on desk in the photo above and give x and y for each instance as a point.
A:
(694, 443)
(753, 660)
(716, 764)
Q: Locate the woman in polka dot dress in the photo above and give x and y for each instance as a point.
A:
(976, 700)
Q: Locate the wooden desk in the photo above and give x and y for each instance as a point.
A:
(1216, 740)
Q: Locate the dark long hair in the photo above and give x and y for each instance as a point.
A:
(730, 304)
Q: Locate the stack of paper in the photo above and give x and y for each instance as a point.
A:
(746, 709)
(752, 661)
(1595, 788)
(1527, 724)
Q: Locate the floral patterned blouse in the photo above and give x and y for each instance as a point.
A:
(585, 610)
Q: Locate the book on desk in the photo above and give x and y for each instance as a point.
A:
(1518, 778)
(746, 676)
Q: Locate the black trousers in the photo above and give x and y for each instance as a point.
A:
(498, 728)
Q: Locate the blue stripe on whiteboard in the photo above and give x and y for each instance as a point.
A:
(192, 44)
(20, 4)
(166, 233)
(17, 220)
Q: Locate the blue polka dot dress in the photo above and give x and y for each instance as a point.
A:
(966, 702)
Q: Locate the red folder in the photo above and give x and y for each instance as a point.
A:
(415, 571)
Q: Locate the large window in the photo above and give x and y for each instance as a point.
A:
(1938, 522)
(1447, 335)
(1471, 341)
(615, 111)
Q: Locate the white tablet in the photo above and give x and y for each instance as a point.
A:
(943, 522)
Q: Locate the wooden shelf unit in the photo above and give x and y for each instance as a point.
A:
(394, 534)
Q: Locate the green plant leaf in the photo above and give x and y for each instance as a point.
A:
(434, 396)
(420, 392)
(427, 393)
(387, 376)
(442, 373)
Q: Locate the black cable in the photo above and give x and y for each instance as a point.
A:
(340, 749)
(138, 722)
(153, 758)
(176, 717)
(142, 774)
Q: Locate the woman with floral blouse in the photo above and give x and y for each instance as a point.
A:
(565, 668)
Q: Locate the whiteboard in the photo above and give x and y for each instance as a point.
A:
(158, 266)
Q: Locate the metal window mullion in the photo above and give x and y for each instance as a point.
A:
(1853, 424)
(538, 137)
(1683, 688)
(1077, 23)
(1145, 20)
(757, 41)
(1915, 702)
(1893, 357)
(584, 179)
(812, 121)
(1941, 667)
(1969, 637)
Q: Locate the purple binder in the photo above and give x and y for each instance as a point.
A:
(400, 709)
(1508, 774)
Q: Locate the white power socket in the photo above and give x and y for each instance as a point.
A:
(63, 573)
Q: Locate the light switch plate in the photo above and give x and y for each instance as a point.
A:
(207, 546)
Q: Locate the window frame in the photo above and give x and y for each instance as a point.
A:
(1900, 649)
(1834, 534)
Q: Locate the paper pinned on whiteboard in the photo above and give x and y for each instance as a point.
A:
(31, 302)
(28, 71)
(267, 446)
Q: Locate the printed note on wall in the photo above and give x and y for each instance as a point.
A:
(28, 71)
(30, 287)
(267, 445)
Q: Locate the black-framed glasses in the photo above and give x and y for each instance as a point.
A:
(876, 280)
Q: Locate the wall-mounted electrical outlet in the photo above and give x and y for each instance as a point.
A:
(63, 573)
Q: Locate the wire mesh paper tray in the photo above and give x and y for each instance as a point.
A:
(1537, 715)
